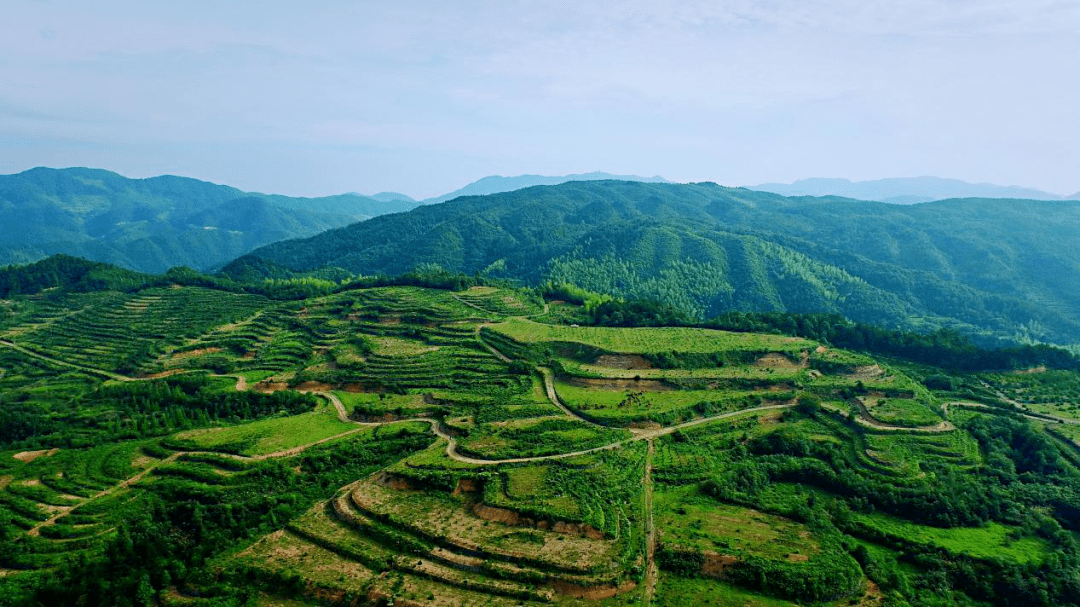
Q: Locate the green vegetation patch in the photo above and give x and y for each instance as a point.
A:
(991, 541)
(900, 411)
(652, 340)
(269, 435)
(690, 520)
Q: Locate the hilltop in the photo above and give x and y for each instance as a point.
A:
(496, 184)
(153, 224)
(995, 269)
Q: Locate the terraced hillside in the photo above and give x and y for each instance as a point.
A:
(187, 446)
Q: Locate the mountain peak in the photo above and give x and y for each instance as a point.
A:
(495, 184)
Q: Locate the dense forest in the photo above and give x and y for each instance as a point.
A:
(151, 225)
(991, 269)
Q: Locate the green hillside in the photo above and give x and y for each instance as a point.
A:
(170, 444)
(992, 268)
(151, 225)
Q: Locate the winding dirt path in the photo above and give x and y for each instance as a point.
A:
(1044, 417)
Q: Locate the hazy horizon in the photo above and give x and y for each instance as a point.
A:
(423, 98)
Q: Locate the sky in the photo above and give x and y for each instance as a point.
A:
(423, 97)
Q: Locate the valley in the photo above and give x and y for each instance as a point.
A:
(482, 445)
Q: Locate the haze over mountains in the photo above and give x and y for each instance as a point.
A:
(996, 268)
(906, 190)
(154, 224)
(494, 184)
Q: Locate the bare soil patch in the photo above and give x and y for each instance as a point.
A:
(715, 563)
(797, 558)
(622, 361)
(591, 592)
(28, 456)
(394, 482)
(197, 352)
(866, 372)
(268, 387)
(776, 360)
(640, 385)
(511, 518)
(467, 485)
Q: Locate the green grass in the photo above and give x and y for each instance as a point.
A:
(652, 340)
(688, 519)
(990, 541)
(621, 406)
(527, 438)
(382, 403)
(675, 591)
(900, 411)
(269, 435)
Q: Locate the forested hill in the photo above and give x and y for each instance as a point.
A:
(496, 184)
(153, 224)
(991, 268)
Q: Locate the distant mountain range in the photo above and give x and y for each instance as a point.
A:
(496, 184)
(992, 268)
(153, 224)
(908, 190)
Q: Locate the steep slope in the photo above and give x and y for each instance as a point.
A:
(1001, 268)
(153, 224)
(909, 190)
(496, 184)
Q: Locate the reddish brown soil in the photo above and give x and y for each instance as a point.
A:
(467, 485)
(591, 592)
(514, 519)
(394, 482)
(775, 360)
(715, 563)
(197, 352)
(622, 361)
(639, 385)
(267, 387)
(314, 386)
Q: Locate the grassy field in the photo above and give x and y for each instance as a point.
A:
(652, 340)
(269, 435)
(690, 520)
(675, 591)
(622, 406)
(900, 411)
(991, 541)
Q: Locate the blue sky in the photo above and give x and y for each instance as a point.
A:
(423, 97)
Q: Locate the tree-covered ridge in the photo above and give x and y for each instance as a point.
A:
(153, 224)
(989, 268)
